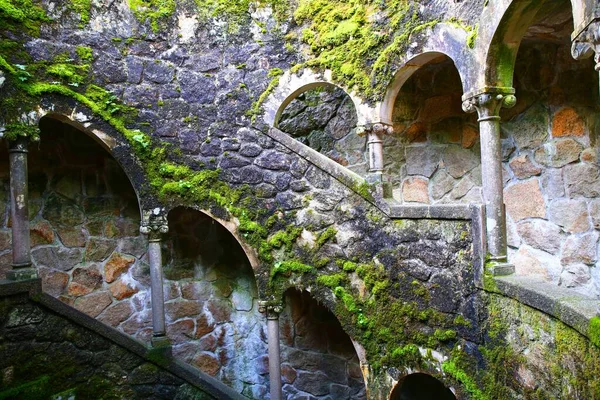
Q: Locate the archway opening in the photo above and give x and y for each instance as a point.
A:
(324, 118)
(211, 303)
(550, 154)
(421, 386)
(318, 358)
(433, 156)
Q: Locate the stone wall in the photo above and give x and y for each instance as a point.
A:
(551, 170)
(45, 355)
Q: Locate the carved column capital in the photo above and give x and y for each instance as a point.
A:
(377, 128)
(271, 309)
(488, 104)
(587, 43)
(154, 223)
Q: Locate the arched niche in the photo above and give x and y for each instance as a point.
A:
(211, 307)
(318, 357)
(433, 154)
(420, 386)
(323, 117)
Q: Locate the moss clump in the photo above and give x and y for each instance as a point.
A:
(348, 38)
(22, 15)
(287, 268)
(450, 368)
(594, 331)
(332, 281)
(153, 11)
(81, 7)
(327, 235)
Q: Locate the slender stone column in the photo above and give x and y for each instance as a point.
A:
(587, 43)
(154, 224)
(272, 312)
(488, 105)
(375, 133)
(19, 208)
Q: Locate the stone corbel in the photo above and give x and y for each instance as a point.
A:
(587, 43)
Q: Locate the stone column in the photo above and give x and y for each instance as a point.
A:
(488, 105)
(272, 312)
(375, 133)
(586, 43)
(154, 224)
(19, 209)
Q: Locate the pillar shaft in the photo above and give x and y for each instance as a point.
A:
(154, 224)
(274, 357)
(19, 202)
(375, 143)
(272, 312)
(488, 106)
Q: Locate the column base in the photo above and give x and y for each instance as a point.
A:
(22, 274)
(160, 342)
(499, 268)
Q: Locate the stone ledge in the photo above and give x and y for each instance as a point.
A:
(445, 211)
(191, 375)
(573, 309)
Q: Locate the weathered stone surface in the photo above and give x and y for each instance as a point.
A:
(582, 180)
(53, 282)
(553, 185)
(5, 240)
(315, 383)
(595, 212)
(242, 300)
(558, 153)
(525, 199)
(41, 233)
(531, 129)
(440, 184)
(85, 280)
(575, 275)
(117, 265)
(57, 257)
(572, 215)
(220, 310)
(541, 234)
(469, 137)
(422, 160)
(72, 236)
(566, 122)
(198, 88)
(93, 304)
(98, 249)
(273, 160)
(207, 363)
(529, 261)
(459, 161)
(204, 326)
(580, 249)
(116, 313)
(182, 308)
(62, 211)
(122, 289)
(462, 188)
(180, 331)
(415, 190)
(523, 167)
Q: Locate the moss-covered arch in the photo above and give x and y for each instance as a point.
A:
(403, 74)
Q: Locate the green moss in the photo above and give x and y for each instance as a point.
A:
(35, 389)
(450, 368)
(81, 7)
(332, 281)
(472, 36)
(287, 268)
(594, 331)
(153, 11)
(327, 235)
(86, 54)
(22, 15)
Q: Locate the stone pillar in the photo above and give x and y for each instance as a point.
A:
(154, 224)
(19, 209)
(488, 105)
(586, 43)
(375, 133)
(272, 312)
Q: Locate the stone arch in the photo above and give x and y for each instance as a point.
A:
(293, 84)
(317, 351)
(402, 75)
(420, 386)
(505, 37)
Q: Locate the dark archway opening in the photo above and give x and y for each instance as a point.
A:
(421, 386)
